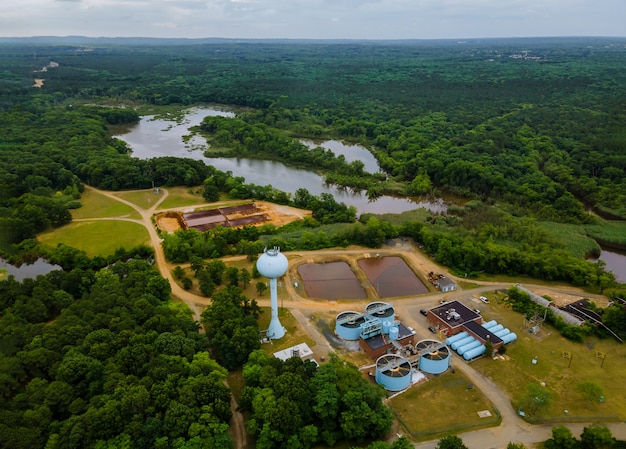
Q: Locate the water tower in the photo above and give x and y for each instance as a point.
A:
(273, 264)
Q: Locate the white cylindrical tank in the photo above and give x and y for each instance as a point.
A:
(456, 337)
(386, 326)
(496, 328)
(473, 353)
(489, 324)
(457, 344)
(394, 333)
(471, 345)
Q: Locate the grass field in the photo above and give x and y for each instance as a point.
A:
(612, 233)
(97, 238)
(142, 198)
(559, 374)
(182, 196)
(96, 205)
(427, 412)
(573, 237)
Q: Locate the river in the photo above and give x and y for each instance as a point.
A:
(159, 137)
(615, 263)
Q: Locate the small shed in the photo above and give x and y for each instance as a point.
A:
(446, 285)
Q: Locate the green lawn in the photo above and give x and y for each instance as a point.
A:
(182, 196)
(96, 205)
(97, 237)
(142, 198)
(425, 409)
(517, 371)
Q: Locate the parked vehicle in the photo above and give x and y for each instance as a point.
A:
(432, 329)
(423, 312)
(484, 299)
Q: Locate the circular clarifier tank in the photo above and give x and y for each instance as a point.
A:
(381, 310)
(393, 372)
(272, 263)
(348, 325)
(435, 356)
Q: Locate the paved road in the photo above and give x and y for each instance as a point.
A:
(512, 429)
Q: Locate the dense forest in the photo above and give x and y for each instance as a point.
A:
(528, 134)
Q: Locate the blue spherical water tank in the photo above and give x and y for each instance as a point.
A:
(272, 263)
(393, 372)
(456, 337)
(435, 357)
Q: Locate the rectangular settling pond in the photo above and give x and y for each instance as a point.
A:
(391, 276)
(331, 280)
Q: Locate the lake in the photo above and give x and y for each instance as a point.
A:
(32, 270)
(160, 137)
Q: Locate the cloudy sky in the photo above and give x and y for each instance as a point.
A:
(316, 19)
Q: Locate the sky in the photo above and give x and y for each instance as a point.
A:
(313, 19)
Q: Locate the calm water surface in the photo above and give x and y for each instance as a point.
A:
(615, 263)
(158, 137)
(350, 152)
(32, 270)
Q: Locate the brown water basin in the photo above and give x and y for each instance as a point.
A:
(391, 276)
(330, 280)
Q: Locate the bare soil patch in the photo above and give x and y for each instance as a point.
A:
(275, 214)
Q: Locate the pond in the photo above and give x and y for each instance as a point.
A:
(153, 137)
(331, 280)
(40, 266)
(391, 276)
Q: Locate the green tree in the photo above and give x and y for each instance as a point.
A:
(590, 390)
(245, 277)
(261, 287)
(535, 398)
(451, 442)
(178, 272)
(562, 438)
(596, 437)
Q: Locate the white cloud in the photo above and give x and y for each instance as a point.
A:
(374, 19)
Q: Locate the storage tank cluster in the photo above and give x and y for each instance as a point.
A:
(500, 331)
(379, 317)
(469, 347)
